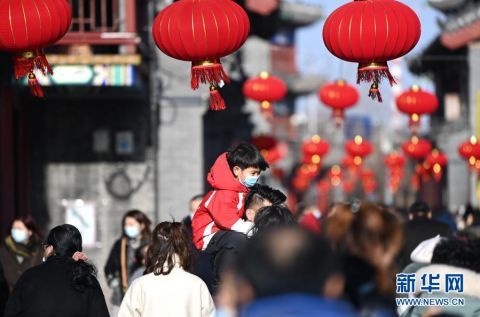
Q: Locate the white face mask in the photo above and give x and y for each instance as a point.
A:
(19, 235)
(131, 231)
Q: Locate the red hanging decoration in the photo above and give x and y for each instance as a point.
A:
(269, 147)
(314, 150)
(370, 33)
(417, 149)
(26, 27)
(395, 164)
(335, 175)
(470, 151)
(416, 102)
(265, 89)
(339, 96)
(435, 162)
(358, 149)
(202, 31)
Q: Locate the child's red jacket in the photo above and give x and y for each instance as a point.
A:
(222, 208)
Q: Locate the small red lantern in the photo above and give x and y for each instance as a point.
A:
(371, 32)
(335, 175)
(202, 31)
(323, 186)
(395, 163)
(269, 147)
(308, 171)
(436, 163)
(314, 149)
(416, 102)
(470, 151)
(265, 89)
(26, 27)
(348, 186)
(300, 184)
(394, 160)
(339, 96)
(417, 149)
(359, 149)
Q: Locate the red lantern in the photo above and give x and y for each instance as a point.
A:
(394, 160)
(26, 27)
(371, 32)
(470, 151)
(417, 149)
(314, 149)
(323, 186)
(339, 96)
(265, 89)
(202, 31)
(416, 102)
(269, 148)
(301, 184)
(348, 186)
(358, 149)
(436, 163)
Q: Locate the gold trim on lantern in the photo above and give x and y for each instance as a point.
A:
(207, 62)
(28, 54)
(372, 65)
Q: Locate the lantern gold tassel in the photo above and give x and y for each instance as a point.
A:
(34, 86)
(208, 72)
(216, 101)
(373, 73)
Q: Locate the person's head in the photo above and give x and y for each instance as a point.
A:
(419, 209)
(337, 224)
(136, 225)
(459, 252)
(25, 231)
(64, 241)
(261, 196)
(471, 216)
(288, 260)
(246, 163)
(375, 235)
(194, 202)
(272, 216)
(171, 245)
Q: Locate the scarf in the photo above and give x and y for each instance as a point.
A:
(25, 251)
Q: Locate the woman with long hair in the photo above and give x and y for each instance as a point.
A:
(168, 288)
(21, 250)
(64, 285)
(122, 261)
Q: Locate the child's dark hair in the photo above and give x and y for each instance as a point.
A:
(246, 155)
(66, 240)
(169, 240)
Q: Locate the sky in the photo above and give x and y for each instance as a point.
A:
(313, 57)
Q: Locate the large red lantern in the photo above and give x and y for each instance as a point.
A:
(202, 31)
(359, 149)
(371, 32)
(417, 149)
(265, 89)
(26, 27)
(470, 151)
(416, 102)
(436, 162)
(314, 149)
(339, 96)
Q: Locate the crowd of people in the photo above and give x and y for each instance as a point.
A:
(242, 252)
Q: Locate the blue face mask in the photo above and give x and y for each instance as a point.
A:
(131, 231)
(250, 181)
(19, 236)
